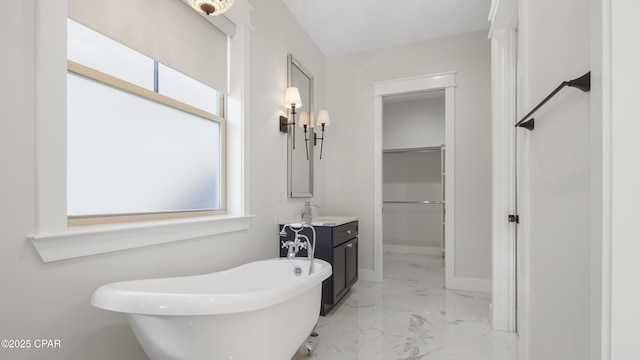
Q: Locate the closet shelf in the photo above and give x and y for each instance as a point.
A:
(413, 150)
(414, 202)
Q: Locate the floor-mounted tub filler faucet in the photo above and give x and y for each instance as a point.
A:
(300, 241)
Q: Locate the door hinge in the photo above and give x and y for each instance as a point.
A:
(514, 218)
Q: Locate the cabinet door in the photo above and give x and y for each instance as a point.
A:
(339, 272)
(352, 262)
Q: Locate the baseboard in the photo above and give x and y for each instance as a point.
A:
(369, 275)
(420, 250)
(469, 284)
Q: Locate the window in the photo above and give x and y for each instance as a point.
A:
(143, 140)
(53, 238)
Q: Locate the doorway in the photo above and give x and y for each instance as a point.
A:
(413, 173)
(444, 82)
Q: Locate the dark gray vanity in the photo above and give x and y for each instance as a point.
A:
(337, 244)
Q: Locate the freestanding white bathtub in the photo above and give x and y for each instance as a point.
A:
(259, 310)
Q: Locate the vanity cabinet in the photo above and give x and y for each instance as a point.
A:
(337, 245)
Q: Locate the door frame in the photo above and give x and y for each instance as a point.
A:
(440, 81)
(504, 42)
(509, 265)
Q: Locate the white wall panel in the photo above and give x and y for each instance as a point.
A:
(555, 163)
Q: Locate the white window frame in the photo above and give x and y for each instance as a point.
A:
(53, 238)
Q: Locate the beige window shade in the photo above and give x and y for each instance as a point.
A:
(168, 31)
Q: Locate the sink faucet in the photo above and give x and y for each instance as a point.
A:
(300, 241)
(307, 214)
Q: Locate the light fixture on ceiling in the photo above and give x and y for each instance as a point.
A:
(210, 7)
(292, 101)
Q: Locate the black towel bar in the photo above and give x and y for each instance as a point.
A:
(583, 83)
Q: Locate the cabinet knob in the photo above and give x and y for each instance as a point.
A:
(350, 245)
(348, 231)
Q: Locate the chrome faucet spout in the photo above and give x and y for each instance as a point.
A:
(291, 247)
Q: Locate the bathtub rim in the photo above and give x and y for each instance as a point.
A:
(114, 297)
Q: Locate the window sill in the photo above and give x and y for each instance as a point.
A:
(92, 240)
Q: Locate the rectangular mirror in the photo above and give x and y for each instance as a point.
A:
(300, 145)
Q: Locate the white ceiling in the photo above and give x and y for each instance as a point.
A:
(345, 26)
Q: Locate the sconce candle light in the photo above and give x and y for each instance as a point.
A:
(304, 123)
(292, 101)
(323, 120)
(210, 7)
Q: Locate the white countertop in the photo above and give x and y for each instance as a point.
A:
(325, 220)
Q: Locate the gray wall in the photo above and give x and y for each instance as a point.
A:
(412, 176)
(622, 73)
(555, 179)
(413, 123)
(51, 300)
(350, 98)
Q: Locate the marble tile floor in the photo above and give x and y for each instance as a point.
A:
(410, 316)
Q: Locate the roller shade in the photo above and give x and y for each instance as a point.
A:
(168, 31)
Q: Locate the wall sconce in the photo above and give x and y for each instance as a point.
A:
(292, 101)
(304, 123)
(210, 7)
(323, 120)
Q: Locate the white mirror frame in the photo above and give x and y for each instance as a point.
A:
(292, 169)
